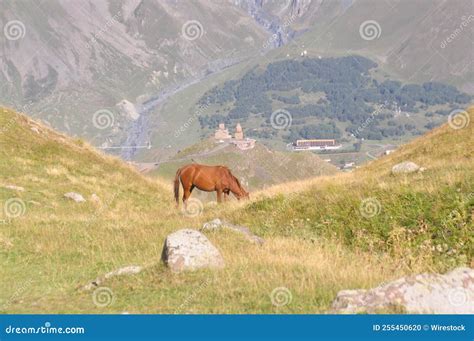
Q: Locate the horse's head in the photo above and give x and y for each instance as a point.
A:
(245, 195)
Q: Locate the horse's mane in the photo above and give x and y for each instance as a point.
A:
(237, 180)
(234, 177)
(238, 183)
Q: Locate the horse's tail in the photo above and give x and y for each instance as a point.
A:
(176, 186)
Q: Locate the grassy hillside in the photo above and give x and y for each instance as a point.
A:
(256, 168)
(317, 243)
(421, 218)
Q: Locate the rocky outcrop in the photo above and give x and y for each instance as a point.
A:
(217, 224)
(187, 250)
(405, 167)
(452, 293)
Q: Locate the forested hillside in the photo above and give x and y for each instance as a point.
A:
(330, 98)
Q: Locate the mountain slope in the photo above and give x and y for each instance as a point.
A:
(85, 57)
(415, 40)
(411, 48)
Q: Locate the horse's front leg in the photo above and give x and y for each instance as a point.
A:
(219, 195)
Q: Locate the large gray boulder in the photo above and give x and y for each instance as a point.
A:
(187, 250)
(405, 167)
(452, 293)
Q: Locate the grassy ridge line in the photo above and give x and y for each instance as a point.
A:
(20, 134)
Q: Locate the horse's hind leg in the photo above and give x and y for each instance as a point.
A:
(186, 194)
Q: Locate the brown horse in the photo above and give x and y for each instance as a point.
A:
(209, 179)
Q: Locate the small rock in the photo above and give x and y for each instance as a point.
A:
(14, 188)
(217, 224)
(405, 168)
(212, 225)
(127, 270)
(75, 196)
(187, 250)
(452, 293)
(34, 129)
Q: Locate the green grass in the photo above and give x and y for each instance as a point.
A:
(316, 241)
(426, 215)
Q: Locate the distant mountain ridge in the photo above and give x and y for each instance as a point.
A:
(83, 58)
